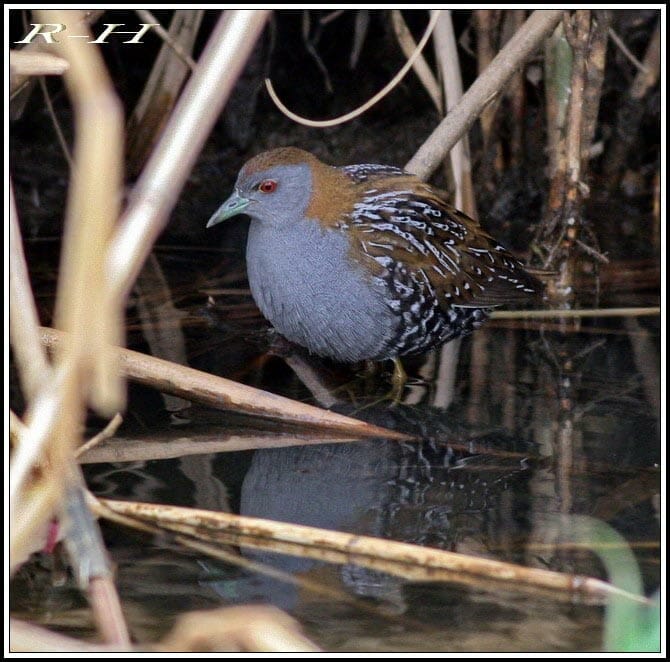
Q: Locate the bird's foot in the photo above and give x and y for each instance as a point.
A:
(398, 380)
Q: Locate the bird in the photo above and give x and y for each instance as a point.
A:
(366, 262)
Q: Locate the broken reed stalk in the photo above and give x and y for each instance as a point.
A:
(90, 561)
(398, 558)
(223, 393)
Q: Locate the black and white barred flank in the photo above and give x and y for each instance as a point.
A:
(440, 271)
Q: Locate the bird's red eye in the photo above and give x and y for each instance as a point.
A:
(267, 186)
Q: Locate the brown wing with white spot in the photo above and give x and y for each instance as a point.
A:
(402, 220)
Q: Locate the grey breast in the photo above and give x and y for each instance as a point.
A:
(305, 284)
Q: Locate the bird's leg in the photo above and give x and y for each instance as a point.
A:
(398, 380)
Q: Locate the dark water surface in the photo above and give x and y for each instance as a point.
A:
(542, 424)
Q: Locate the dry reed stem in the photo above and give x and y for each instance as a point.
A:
(104, 434)
(34, 435)
(624, 49)
(33, 511)
(90, 562)
(82, 372)
(52, 422)
(519, 48)
(573, 145)
(560, 312)
(164, 446)
(84, 307)
(562, 231)
(35, 64)
(402, 559)
(310, 43)
(107, 612)
(167, 445)
(210, 543)
(446, 54)
(199, 106)
(223, 393)
(161, 91)
(360, 31)
(218, 551)
(16, 429)
(445, 380)
(313, 380)
(648, 76)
